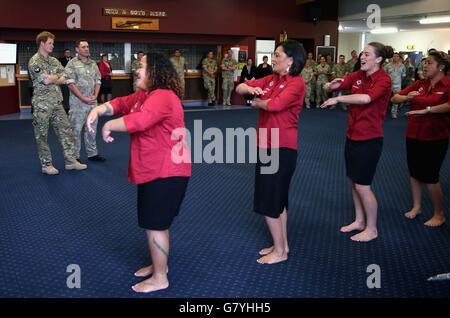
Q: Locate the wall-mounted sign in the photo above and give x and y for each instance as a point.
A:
(126, 23)
(134, 13)
(410, 47)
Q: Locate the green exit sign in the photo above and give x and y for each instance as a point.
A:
(410, 47)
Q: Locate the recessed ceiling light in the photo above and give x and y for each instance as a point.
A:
(434, 20)
(384, 30)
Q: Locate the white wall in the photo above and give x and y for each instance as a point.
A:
(422, 40)
(348, 42)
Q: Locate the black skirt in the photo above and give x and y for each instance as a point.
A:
(272, 190)
(425, 159)
(361, 159)
(159, 202)
(106, 86)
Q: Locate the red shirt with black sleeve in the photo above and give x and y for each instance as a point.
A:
(151, 119)
(366, 121)
(428, 126)
(286, 94)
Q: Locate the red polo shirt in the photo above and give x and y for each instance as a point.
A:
(286, 94)
(366, 121)
(429, 126)
(151, 118)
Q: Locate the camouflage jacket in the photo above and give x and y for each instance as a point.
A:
(322, 72)
(307, 74)
(85, 75)
(340, 71)
(37, 67)
(228, 63)
(178, 64)
(210, 65)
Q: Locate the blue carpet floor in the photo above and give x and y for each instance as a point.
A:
(89, 218)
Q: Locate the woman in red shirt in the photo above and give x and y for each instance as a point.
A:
(427, 134)
(105, 69)
(280, 99)
(371, 88)
(159, 156)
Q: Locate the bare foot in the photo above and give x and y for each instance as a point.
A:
(355, 226)
(146, 271)
(365, 236)
(273, 258)
(435, 221)
(150, 285)
(413, 213)
(269, 250)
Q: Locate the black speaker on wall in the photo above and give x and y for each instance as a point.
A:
(313, 12)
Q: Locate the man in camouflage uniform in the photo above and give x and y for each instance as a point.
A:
(351, 63)
(323, 71)
(229, 65)
(308, 76)
(396, 71)
(84, 80)
(310, 61)
(339, 71)
(179, 63)
(47, 74)
(209, 66)
(134, 67)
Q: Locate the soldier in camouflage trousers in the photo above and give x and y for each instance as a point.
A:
(209, 66)
(229, 65)
(308, 76)
(179, 63)
(84, 80)
(47, 74)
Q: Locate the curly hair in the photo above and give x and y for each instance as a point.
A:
(162, 74)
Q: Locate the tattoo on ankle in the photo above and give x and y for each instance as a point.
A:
(160, 248)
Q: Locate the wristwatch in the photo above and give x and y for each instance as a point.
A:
(428, 109)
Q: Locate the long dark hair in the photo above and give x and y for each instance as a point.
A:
(295, 50)
(162, 74)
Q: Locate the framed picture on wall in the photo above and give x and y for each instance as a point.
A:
(326, 50)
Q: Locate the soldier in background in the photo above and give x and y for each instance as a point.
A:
(310, 61)
(66, 58)
(409, 79)
(397, 72)
(134, 67)
(228, 66)
(47, 74)
(308, 76)
(209, 66)
(84, 80)
(339, 71)
(351, 63)
(64, 89)
(323, 72)
(179, 63)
